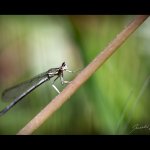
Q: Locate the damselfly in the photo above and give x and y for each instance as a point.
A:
(16, 93)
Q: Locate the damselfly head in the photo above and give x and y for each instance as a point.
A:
(64, 66)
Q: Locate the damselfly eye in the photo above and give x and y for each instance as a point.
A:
(63, 64)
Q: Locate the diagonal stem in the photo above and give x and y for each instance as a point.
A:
(85, 74)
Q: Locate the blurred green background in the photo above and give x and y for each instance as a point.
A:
(115, 100)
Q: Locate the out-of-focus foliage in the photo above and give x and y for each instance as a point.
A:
(115, 100)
